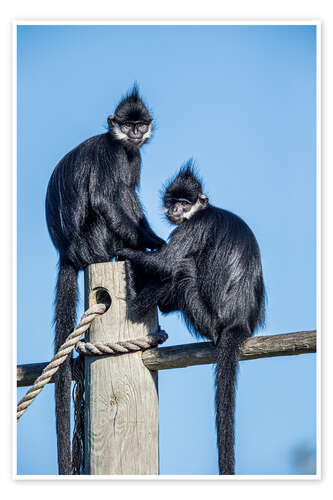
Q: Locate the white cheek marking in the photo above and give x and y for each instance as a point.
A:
(195, 208)
(148, 133)
(118, 133)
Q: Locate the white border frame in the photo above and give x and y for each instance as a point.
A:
(187, 22)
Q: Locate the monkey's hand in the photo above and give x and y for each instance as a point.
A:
(157, 244)
(128, 253)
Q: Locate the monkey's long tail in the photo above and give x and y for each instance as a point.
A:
(65, 314)
(228, 351)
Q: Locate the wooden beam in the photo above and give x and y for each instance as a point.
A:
(201, 353)
(27, 374)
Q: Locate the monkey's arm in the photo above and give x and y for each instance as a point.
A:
(145, 224)
(177, 289)
(118, 220)
(130, 232)
(183, 244)
(151, 262)
(133, 208)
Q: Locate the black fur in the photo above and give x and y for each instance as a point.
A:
(210, 271)
(92, 209)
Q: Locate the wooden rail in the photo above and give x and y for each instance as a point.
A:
(202, 353)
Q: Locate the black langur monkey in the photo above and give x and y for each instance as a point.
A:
(92, 209)
(210, 271)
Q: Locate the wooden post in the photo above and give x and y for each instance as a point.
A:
(121, 420)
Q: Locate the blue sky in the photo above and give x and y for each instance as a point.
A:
(241, 101)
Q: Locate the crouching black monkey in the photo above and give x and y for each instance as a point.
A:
(210, 271)
(92, 209)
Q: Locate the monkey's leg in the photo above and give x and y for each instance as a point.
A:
(149, 297)
(133, 280)
(197, 313)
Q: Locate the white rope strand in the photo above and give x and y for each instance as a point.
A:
(64, 351)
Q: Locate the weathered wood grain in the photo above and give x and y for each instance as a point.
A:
(201, 353)
(122, 399)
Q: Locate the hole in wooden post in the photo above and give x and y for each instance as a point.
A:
(102, 296)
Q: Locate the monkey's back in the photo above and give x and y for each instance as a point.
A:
(229, 268)
(77, 230)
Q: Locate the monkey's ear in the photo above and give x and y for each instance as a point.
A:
(203, 199)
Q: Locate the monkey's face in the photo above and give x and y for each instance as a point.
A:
(131, 123)
(134, 133)
(181, 209)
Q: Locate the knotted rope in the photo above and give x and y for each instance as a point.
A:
(62, 354)
(73, 340)
(121, 347)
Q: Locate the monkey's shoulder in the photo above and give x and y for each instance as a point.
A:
(219, 225)
(98, 153)
(91, 149)
(227, 219)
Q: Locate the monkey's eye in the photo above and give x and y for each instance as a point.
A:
(143, 127)
(125, 127)
(185, 203)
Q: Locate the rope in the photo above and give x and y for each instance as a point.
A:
(59, 358)
(123, 346)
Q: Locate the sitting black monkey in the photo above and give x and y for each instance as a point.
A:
(92, 208)
(210, 271)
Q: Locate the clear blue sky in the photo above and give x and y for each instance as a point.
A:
(242, 101)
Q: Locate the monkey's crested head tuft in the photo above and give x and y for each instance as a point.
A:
(132, 108)
(186, 184)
